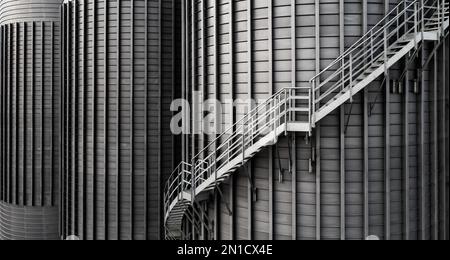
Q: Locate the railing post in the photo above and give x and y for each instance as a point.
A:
(252, 127)
(193, 180)
(422, 19)
(385, 49)
(415, 23)
(286, 109)
(398, 23)
(351, 78)
(275, 118)
(371, 46)
(405, 30)
(313, 103)
(183, 176)
(243, 140)
(310, 115)
(443, 17)
(215, 170)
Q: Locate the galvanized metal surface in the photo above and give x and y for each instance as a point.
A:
(29, 116)
(13, 11)
(120, 76)
(354, 178)
(28, 223)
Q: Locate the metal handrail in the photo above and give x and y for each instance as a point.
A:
(406, 18)
(263, 119)
(358, 42)
(281, 108)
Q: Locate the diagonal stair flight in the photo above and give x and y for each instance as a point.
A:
(299, 109)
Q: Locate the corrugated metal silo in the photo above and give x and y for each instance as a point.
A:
(29, 36)
(120, 75)
(374, 166)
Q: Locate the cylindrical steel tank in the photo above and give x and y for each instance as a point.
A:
(29, 155)
(13, 11)
(359, 174)
(120, 75)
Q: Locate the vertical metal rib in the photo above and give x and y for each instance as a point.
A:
(60, 130)
(146, 88)
(84, 122)
(421, 150)
(406, 154)
(387, 152)
(67, 119)
(94, 120)
(52, 113)
(106, 121)
(366, 137)
(118, 165)
(16, 120)
(435, 149)
(250, 95)
(232, 112)
(271, 90)
(74, 114)
(342, 130)
(42, 137)
(444, 151)
(317, 148)
(2, 97)
(132, 121)
(24, 114)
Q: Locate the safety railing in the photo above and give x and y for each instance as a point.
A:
(178, 183)
(232, 144)
(280, 109)
(384, 39)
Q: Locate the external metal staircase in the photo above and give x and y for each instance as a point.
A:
(299, 109)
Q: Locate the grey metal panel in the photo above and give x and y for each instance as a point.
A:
(31, 153)
(125, 52)
(354, 199)
(13, 11)
(28, 223)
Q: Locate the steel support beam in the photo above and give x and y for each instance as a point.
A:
(271, 91)
(294, 140)
(435, 150)
(342, 129)
(406, 155)
(366, 138)
(317, 135)
(250, 96)
(421, 150)
(118, 123)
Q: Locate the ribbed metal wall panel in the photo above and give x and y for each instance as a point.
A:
(353, 177)
(28, 223)
(29, 122)
(13, 11)
(120, 75)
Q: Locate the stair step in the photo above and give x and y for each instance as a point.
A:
(398, 47)
(299, 109)
(300, 97)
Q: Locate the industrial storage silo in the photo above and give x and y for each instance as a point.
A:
(375, 166)
(120, 75)
(29, 105)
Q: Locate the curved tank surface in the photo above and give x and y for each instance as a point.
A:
(120, 75)
(368, 168)
(29, 112)
(13, 11)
